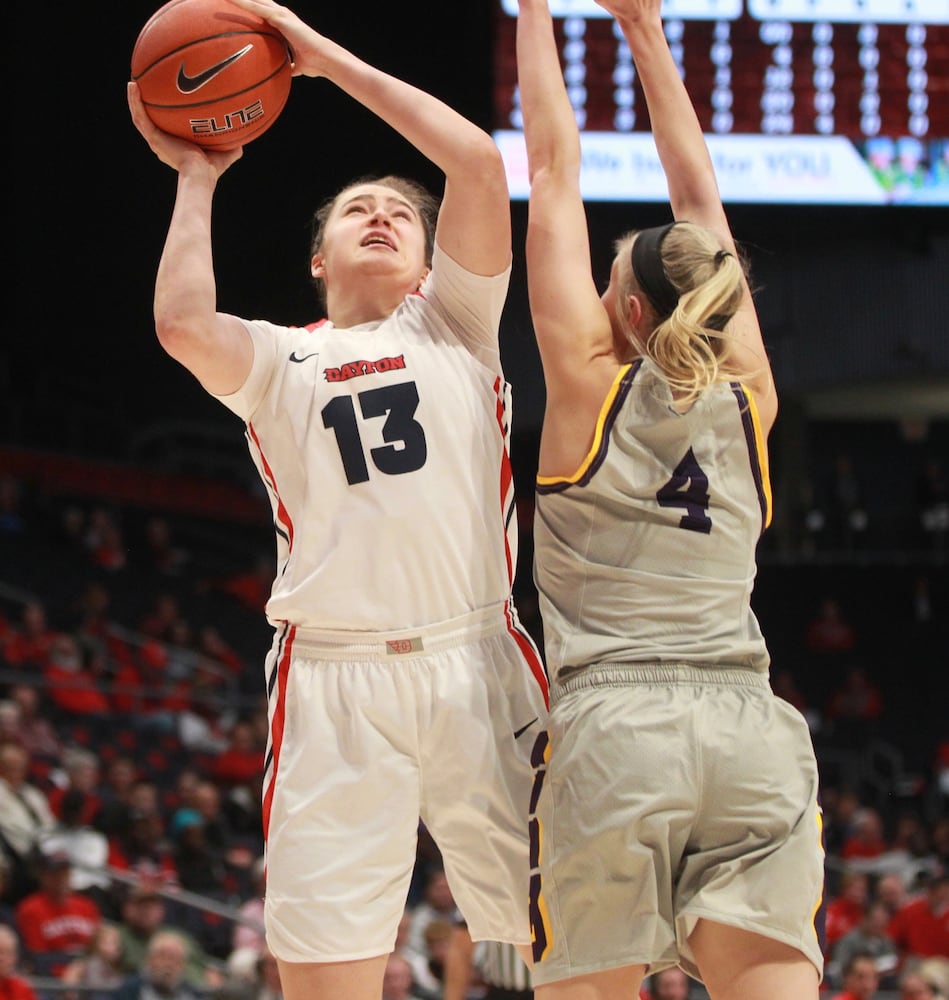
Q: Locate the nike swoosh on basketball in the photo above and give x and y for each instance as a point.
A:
(189, 84)
(523, 729)
(293, 357)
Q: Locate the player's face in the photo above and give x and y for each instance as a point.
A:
(373, 230)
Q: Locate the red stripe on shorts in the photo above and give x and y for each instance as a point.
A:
(277, 724)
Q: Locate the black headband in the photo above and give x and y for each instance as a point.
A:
(650, 274)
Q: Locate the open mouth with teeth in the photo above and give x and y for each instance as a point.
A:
(377, 240)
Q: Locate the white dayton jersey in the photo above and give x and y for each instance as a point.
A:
(384, 449)
(666, 504)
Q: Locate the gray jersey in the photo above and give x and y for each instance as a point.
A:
(647, 553)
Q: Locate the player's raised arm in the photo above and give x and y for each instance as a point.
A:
(214, 347)
(570, 322)
(474, 220)
(693, 189)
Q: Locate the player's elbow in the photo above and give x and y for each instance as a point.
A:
(180, 336)
(483, 162)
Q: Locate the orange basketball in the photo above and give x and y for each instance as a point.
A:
(211, 73)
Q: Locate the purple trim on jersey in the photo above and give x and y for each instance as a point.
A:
(751, 439)
(600, 457)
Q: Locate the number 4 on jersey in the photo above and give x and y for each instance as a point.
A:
(688, 488)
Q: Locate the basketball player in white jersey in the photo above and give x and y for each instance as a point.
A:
(400, 682)
(676, 820)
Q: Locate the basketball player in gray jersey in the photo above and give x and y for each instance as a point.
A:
(675, 816)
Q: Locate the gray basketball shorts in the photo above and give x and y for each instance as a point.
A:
(666, 795)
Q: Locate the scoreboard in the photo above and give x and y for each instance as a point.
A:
(801, 101)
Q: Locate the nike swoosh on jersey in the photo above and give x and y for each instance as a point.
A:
(523, 729)
(293, 357)
(189, 84)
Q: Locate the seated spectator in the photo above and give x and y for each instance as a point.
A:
(865, 841)
(144, 915)
(920, 928)
(438, 903)
(55, 923)
(36, 733)
(891, 892)
(32, 639)
(397, 981)
(870, 937)
(86, 848)
(119, 778)
(207, 801)
(139, 847)
(25, 816)
(9, 721)
(249, 930)
(99, 971)
(162, 972)
(855, 707)
(909, 853)
(81, 773)
(860, 978)
(252, 974)
(13, 986)
(913, 985)
(164, 556)
(829, 631)
(846, 910)
(74, 687)
(200, 865)
(841, 806)
(428, 969)
(242, 760)
(160, 620)
(105, 541)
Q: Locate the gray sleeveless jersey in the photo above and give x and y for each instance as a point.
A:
(647, 553)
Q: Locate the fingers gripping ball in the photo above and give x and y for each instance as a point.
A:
(211, 73)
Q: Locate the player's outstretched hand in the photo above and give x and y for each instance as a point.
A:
(172, 150)
(631, 11)
(307, 45)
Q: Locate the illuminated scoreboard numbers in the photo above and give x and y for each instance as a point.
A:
(852, 11)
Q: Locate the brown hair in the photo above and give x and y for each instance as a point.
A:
(421, 199)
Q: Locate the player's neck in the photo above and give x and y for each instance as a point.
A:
(367, 306)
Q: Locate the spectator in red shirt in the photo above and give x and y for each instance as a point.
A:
(829, 631)
(845, 911)
(72, 687)
(31, 640)
(920, 928)
(243, 759)
(865, 839)
(56, 923)
(12, 986)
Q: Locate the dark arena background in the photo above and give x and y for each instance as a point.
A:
(136, 545)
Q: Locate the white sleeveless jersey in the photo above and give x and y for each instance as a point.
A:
(384, 449)
(647, 553)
